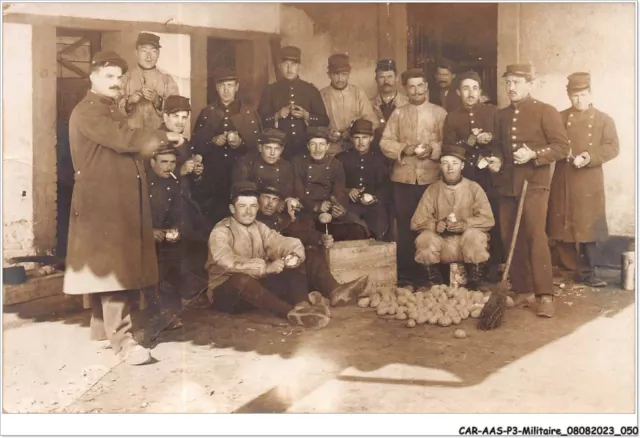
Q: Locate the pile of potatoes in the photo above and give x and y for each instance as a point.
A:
(441, 305)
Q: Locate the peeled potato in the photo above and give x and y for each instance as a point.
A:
(510, 302)
(411, 323)
(381, 311)
(375, 300)
(460, 334)
(419, 295)
(401, 316)
(402, 309)
(444, 321)
(391, 310)
(413, 314)
(364, 302)
(478, 296)
(465, 314)
(475, 313)
(422, 318)
(402, 300)
(456, 319)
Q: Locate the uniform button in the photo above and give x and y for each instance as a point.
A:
(226, 111)
(225, 125)
(278, 169)
(309, 167)
(589, 126)
(293, 133)
(571, 115)
(261, 167)
(361, 167)
(472, 121)
(517, 111)
(589, 134)
(307, 193)
(513, 137)
(253, 121)
(225, 155)
(590, 144)
(169, 200)
(292, 95)
(513, 129)
(514, 119)
(151, 196)
(568, 123)
(204, 118)
(471, 114)
(569, 141)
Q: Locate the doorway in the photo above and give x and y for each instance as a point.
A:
(464, 33)
(220, 53)
(75, 48)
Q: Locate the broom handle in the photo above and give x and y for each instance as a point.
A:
(516, 228)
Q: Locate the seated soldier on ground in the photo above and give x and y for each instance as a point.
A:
(453, 218)
(368, 182)
(251, 265)
(180, 232)
(322, 191)
(316, 263)
(268, 168)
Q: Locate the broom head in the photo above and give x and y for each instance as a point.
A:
(493, 310)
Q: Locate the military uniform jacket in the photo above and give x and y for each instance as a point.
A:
(111, 245)
(218, 161)
(458, 127)
(369, 172)
(281, 175)
(383, 112)
(447, 99)
(539, 126)
(319, 181)
(283, 93)
(164, 198)
(303, 228)
(577, 199)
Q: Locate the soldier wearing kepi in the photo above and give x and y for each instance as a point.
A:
(453, 219)
(145, 87)
(388, 97)
(577, 215)
(344, 103)
(367, 179)
(267, 167)
(316, 263)
(111, 251)
(323, 189)
(292, 104)
(472, 126)
(224, 131)
(528, 138)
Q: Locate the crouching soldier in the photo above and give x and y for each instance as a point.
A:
(323, 190)
(453, 219)
(180, 233)
(316, 264)
(251, 265)
(367, 179)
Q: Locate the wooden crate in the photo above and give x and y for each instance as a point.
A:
(351, 259)
(35, 288)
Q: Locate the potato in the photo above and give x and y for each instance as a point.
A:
(382, 310)
(375, 300)
(402, 300)
(462, 301)
(460, 334)
(364, 302)
(510, 302)
(433, 319)
(413, 314)
(475, 313)
(465, 313)
(419, 295)
(391, 310)
(456, 319)
(486, 298)
(411, 305)
(442, 299)
(402, 291)
(478, 297)
(412, 298)
(422, 318)
(411, 323)
(444, 321)
(401, 316)
(402, 309)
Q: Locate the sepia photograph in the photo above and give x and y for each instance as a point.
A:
(320, 208)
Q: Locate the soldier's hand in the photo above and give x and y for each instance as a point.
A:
(495, 164)
(327, 241)
(198, 168)
(300, 113)
(338, 210)
(151, 95)
(135, 97)
(441, 226)
(485, 138)
(283, 113)
(409, 149)
(471, 141)
(158, 235)
(281, 206)
(582, 160)
(423, 152)
(187, 167)
(354, 194)
(334, 136)
(175, 138)
(220, 140)
(234, 139)
(457, 227)
(275, 267)
(325, 206)
(523, 155)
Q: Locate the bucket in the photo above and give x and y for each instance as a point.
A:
(628, 270)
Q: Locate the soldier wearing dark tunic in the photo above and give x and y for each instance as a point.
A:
(577, 215)
(367, 180)
(472, 126)
(323, 189)
(224, 132)
(291, 104)
(528, 138)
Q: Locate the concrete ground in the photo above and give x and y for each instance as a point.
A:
(582, 361)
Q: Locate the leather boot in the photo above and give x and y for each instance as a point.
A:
(434, 276)
(474, 275)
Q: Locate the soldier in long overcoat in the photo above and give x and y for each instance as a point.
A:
(111, 250)
(577, 216)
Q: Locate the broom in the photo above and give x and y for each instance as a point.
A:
(493, 311)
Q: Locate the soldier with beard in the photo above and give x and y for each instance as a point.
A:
(388, 97)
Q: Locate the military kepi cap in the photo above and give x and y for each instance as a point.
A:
(270, 190)
(579, 81)
(523, 70)
(272, 135)
(173, 104)
(386, 65)
(105, 59)
(290, 53)
(244, 188)
(412, 73)
(338, 63)
(470, 75)
(453, 151)
(362, 126)
(225, 74)
(318, 132)
(151, 39)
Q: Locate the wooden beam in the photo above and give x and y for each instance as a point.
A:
(73, 68)
(74, 46)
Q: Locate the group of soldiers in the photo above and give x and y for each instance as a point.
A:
(255, 197)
